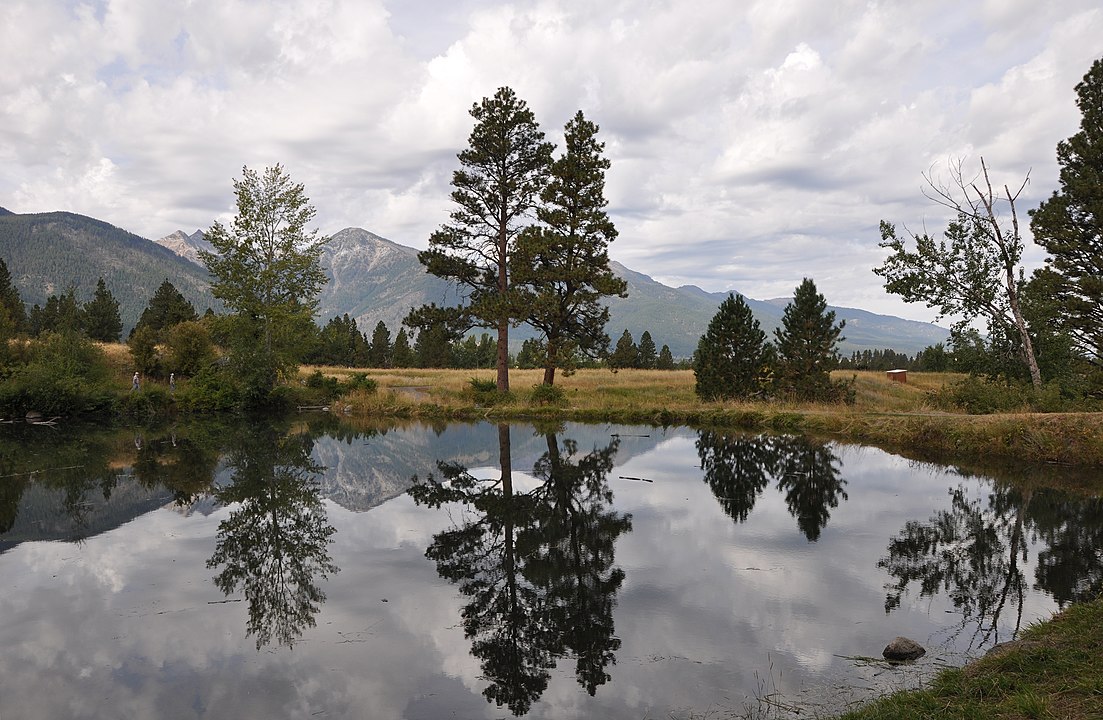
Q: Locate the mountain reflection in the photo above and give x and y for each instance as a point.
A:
(738, 468)
(275, 543)
(537, 566)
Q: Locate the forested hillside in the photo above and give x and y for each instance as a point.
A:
(47, 252)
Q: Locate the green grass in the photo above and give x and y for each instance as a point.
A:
(1054, 671)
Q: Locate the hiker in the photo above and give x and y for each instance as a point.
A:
(136, 384)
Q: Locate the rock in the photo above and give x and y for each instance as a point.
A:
(902, 649)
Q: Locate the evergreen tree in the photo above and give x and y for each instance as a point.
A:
(265, 267)
(379, 354)
(401, 354)
(502, 171)
(433, 347)
(666, 359)
(101, 315)
(563, 263)
(11, 304)
(806, 343)
(1070, 223)
(166, 308)
(625, 354)
(729, 358)
(647, 355)
(531, 354)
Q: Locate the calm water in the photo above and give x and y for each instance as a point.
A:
(483, 571)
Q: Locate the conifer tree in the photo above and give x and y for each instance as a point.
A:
(647, 355)
(563, 262)
(729, 358)
(1070, 223)
(379, 355)
(666, 359)
(806, 345)
(11, 304)
(502, 172)
(101, 315)
(166, 308)
(401, 354)
(625, 354)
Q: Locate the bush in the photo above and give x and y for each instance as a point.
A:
(485, 392)
(977, 396)
(149, 402)
(189, 348)
(547, 395)
(65, 374)
(211, 390)
(361, 382)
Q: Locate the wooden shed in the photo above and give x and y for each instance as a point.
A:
(900, 376)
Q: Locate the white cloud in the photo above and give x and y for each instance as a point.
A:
(752, 144)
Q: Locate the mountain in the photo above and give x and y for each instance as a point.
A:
(48, 252)
(372, 279)
(186, 246)
(5, 211)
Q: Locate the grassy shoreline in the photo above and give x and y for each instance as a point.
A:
(890, 415)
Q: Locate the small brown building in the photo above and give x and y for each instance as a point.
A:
(900, 376)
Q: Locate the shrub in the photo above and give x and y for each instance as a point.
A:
(485, 392)
(211, 390)
(361, 382)
(189, 348)
(65, 374)
(149, 402)
(547, 395)
(143, 349)
(978, 396)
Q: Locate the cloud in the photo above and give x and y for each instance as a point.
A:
(750, 144)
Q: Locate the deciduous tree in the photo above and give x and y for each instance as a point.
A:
(266, 270)
(975, 271)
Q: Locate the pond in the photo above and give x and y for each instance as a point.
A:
(490, 571)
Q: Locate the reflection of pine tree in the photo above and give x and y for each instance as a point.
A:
(574, 559)
(808, 474)
(275, 543)
(970, 551)
(537, 567)
(737, 469)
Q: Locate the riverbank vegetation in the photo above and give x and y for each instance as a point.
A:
(1052, 671)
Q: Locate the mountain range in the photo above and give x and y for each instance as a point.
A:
(372, 279)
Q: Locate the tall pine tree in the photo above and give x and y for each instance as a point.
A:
(730, 355)
(502, 172)
(563, 263)
(101, 315)
(1070, 223)
(806, 345)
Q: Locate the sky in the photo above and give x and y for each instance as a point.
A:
(752, 143)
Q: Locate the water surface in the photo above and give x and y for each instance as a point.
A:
(485, 571)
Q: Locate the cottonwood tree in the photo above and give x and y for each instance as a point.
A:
(562, 264)
(503, 170)
(266, 269)
(973, 272)
(806, 345)
(1069, 225)
(730, 355)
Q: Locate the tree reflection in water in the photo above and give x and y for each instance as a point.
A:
(537, 567)
(738, 468)
(975, 552)
(275, 543)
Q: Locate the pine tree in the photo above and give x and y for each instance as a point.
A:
(379, 355)
(625, 354)
(12, 310)
(1070, 223)
(101, 315)
(563, 263)
(806, 345)
(502, 172)
(401, 354)
(666, 359)
(729, 358)
(647, 355)
(166, 308)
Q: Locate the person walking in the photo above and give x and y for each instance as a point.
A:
(136, 384)
(172, 382)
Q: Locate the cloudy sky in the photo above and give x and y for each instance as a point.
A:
(753, 143)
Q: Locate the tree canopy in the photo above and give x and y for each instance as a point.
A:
(502, 171)
(730, 355)
(266, 269)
